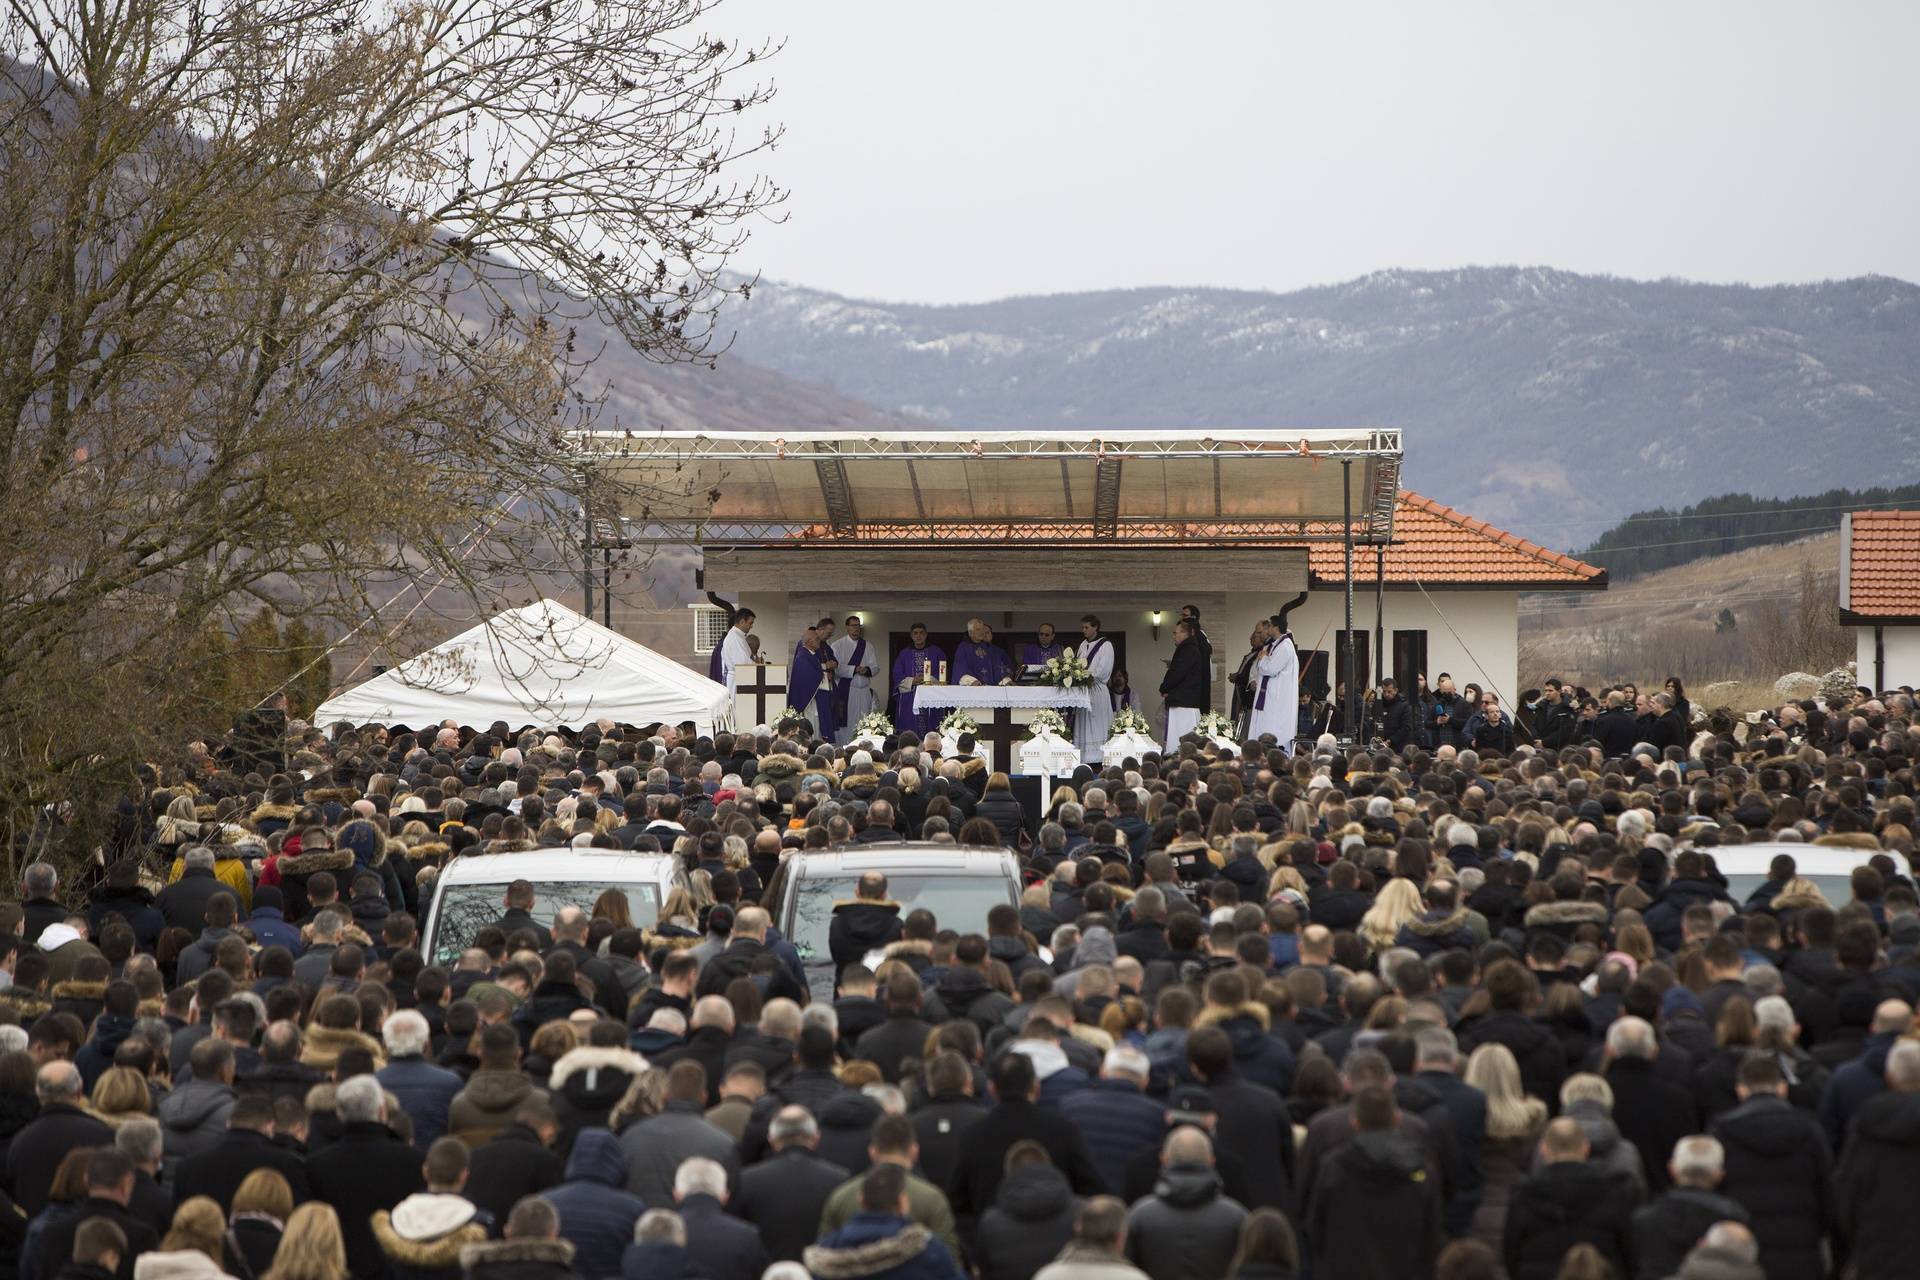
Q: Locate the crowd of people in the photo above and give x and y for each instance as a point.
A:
(1431, 1006)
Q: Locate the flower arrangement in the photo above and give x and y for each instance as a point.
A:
(1068, 671)
(1047, 720)
(1130, 721)
(790, 721)
(1214, 724)
(874, 725)
(957, 723)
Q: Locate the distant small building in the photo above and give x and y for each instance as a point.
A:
(1880, 594)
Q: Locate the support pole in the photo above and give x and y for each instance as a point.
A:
(606, 587)
(586, 557)
(1379, 614)
(1355, 677)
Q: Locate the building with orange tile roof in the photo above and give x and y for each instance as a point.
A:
(1880, 594)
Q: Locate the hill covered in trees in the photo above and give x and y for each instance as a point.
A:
(1660, 538)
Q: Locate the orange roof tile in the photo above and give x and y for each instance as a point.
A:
(1883, 564)
(1433, 545)
(1437, 546)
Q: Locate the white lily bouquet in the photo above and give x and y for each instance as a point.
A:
(1047, 720)
(874, 725)
(1127, 720)
(1068, 671)
(1214, 724)
(957, 723)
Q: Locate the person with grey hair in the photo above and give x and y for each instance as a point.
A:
(316, 961)
(659, 1247)
(1436, 1067)
(532, 1249)
(425, 1091)
(1651, 1112)
(719, 1245)
(1878, 1169)
(1728, 1251)
(62, 1126)
(184, 902)
(40, 885)
(1115, 1115)
(363, 1171)
(140, 1141)
(783, 1196)
(1673, 1222)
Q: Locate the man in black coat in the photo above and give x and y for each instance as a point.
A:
(1667, 1227)
(1017, 1115)
(783, 1195)
(1186, 685)
(1543, 1063)
(1566, 1202)
(37, 1150)
(184, 902)
(746, 944)
(867, 923)
(1879, 1170)
(519, 903)
(248, 1145)
(364, 1170)
(517, 1162)
(1395, 716)
(1779, 1168)
(903, 1035)
(570, 925)
(1653, 1114)
(1615, 729)
(1253, 1125)
(1376, 1211)
(709, 1035)
(719, 1246)
(109, 1186)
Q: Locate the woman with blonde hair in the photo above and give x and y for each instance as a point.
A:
(1514, 1122)
(1397, 904)
(194, 1248)
(120, 1095)
(261, 1208)
(312, 1248)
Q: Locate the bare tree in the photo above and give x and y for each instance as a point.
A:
(292, 297)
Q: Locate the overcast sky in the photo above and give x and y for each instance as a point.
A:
(957, 152)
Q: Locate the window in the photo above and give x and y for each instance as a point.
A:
(957, 902)
(1409, 658)
(468, 908)
(709, 628)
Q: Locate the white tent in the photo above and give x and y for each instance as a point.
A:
(542, 665)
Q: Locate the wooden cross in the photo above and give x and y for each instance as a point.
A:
(760, 689)
(1002, 732)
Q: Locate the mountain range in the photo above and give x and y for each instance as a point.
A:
(1547, 402)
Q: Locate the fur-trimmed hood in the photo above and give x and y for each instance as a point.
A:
(305, 864)
(972, 765)
(1214, 1015)
(324, 1045)
(274, 813)
(436, 850)
(321, 795)
(907, 947)
(651, 941)
(780, 766)
(1451, 923)
(591, 1061)
(1547, 915)
(416, 1243)
(868, 1258)
(73, 989)
(509, 1252)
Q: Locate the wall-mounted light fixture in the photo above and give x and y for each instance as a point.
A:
(1156, 624)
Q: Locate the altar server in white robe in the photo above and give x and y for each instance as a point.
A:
(860, 664)
(1092, 727)
(1276, 689)
(734, 650)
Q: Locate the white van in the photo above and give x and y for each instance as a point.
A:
(471, 891)
(1829, 866)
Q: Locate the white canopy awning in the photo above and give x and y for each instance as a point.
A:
(1174, 486)
(542, 665)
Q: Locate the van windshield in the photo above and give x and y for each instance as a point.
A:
(959, 903)
(466, 909)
